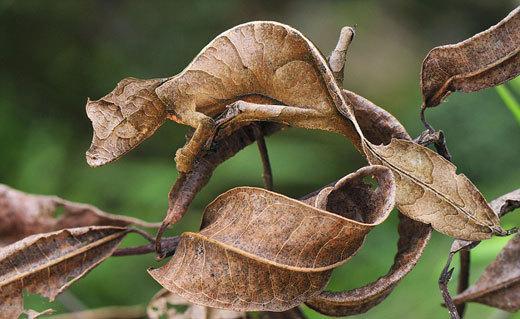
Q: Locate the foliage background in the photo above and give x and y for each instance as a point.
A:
(55, 54)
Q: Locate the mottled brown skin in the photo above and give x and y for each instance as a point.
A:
(265, 71)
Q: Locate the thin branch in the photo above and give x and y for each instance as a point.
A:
(438, 139)
(267, 174)
(424, 121)
(169, 244)
(463, 282)
(443, 285)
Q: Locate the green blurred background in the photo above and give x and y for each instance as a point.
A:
(55, 54)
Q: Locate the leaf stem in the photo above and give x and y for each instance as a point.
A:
(463, 283)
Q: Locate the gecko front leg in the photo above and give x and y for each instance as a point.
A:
(204, 132)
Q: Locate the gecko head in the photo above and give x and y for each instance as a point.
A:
(123, 119)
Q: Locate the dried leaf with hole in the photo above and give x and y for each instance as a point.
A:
(484, 60)
(259, 250)
(499, 285)
(430, 191)
(25, 214)
(378, 126)
(122, 119)
(162, 305)
(506, 203)
(47, 264)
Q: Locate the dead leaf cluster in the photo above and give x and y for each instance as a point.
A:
(258, 250)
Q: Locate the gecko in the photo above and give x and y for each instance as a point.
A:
(257, 71)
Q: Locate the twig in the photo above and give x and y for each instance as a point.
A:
(440, 146)
(443, 285)
(423, 120)
(169, 244)
(463, 282)
(438, 139)
(267, 173)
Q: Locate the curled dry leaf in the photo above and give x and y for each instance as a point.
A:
(506, 203)
(428, 187)
(47, 264)
(413, 238)
(122, 119)
(499, 285)
(484, 60)
(259, 250)
(266, 71)
(161, 305)
(25, 214)
(379, 126)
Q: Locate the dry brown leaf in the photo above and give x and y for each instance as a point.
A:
(25, 214)
(413, 238)
(266, 71)
(501, 206)
(499, 285)
(428, 188)
(161, 303)
(259, 250)
(430, 191)
(506, 203)
(47, 264)
(122, 119)
(378, 126)
(484, 60)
